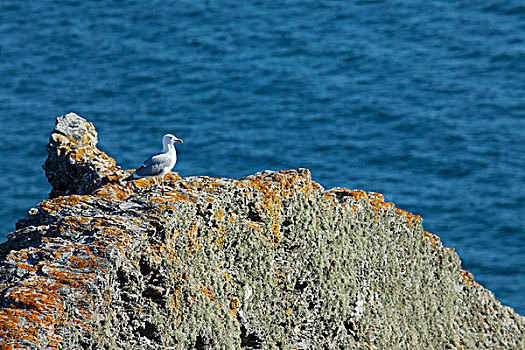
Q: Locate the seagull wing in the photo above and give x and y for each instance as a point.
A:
(153, 166)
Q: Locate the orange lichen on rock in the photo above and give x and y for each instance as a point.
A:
(254, 225)
(267, 260)
(37, 307)
(467, 277)
(113, 191)
(434, 240)
(41, 307)
(81, 148)
(54, 205)
(377, 201)
(274, 189)
(207, 292)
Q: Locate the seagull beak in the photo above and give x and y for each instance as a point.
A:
(178, 140)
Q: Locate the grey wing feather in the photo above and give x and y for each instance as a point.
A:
(153, 166)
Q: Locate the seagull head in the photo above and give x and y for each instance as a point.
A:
(170, 139)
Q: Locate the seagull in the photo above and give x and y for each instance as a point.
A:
(158, 164)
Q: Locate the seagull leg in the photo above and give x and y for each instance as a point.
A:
(162, 184)
(153, 187)
(131, 184)
(157, 186)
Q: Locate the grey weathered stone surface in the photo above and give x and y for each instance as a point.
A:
(270, 261)
(74, 164)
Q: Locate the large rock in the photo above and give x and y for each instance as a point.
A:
(74, 164)
(270, 261)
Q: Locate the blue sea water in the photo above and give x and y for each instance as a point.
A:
(422, 101)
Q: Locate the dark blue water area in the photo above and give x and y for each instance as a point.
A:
(422, 101)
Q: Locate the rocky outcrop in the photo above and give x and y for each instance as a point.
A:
(269, 261)
(74, 164)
